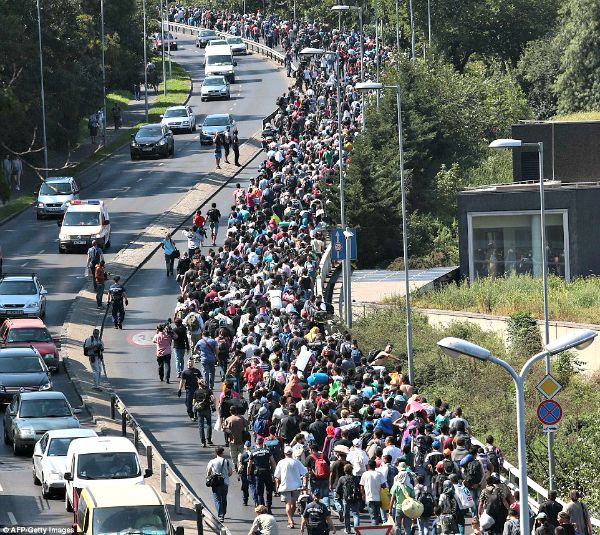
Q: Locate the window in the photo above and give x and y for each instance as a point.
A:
(18, 288)
(43, 443)
(505, 243)
(143, 519)
(29, 334)
(81, 510)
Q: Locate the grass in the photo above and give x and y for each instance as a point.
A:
(580, 116)
(576, 301)
(12, 207)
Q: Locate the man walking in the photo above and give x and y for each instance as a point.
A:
(290, 477)
(207, 349)
(17, 171)
(261, 468)
(189, 381)
(94, 257)
(99, 280)
(7, 169)
(235, 145)
(579, 513)
(93, 348)
(203, 406)
(213, 216)
(163, 342)
(234, 427)
(317, 518)
(371, 483)
(220, 466)
(181, 344)
(118, 297)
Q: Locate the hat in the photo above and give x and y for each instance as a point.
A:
(447, 452)
(402, 466)
(515, 506)
(439, 467)
(288, 450)
(340, 448)
(247, 444)
(356, 442)
(436, 444)
(259, 439)
(541, 516)
(448, 484)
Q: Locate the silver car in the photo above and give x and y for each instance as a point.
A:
(214, 87)
(218, 122)
(22, 296)
(237, 45)
(179, 118)
(54, 194)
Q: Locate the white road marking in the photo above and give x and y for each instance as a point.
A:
(12, 518)
(1, 488)
(42, 251)
(23, 265)
(139, 179)
(115, 198)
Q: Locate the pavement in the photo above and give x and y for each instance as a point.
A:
(136, 193)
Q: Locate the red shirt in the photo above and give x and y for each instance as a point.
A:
(199, 220)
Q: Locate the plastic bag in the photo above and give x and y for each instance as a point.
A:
(218, 424)
(486, 521)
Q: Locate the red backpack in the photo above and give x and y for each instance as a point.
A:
(321, 469)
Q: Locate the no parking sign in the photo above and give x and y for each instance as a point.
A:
(549, 412)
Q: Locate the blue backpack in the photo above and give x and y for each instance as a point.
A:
(260, 426)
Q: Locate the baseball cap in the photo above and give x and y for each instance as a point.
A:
(541, 516)
(356, 442)
(288, 449)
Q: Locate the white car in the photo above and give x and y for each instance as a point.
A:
(237, 45)
(214, 87)
(179, 118)
(54, 194)
(217, 42)
(22, 296)
(84, 222)
(50, 458)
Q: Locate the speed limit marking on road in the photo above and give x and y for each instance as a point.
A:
(141, 338)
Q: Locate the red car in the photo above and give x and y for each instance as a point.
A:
(24, 332)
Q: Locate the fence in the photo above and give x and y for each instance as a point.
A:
(204, 517)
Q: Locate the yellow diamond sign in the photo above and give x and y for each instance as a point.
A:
(549, 387)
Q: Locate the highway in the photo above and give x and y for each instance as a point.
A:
(135, 193)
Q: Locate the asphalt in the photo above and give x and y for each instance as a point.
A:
(136, 193)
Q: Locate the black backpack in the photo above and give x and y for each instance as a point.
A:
(473, 473)
(427, 501)
(373, 355)
(494, 506)
(315, 515)
(351, 490)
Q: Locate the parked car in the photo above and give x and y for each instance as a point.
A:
(22, 296)
(170, 41)
(214, 87)
(22, 369)
(237, 45)
(179, 118)
(25, 332)
(152, 140)
(55, 193)
(204, 36)
(50, 458)
(218, 122)
(31, 414)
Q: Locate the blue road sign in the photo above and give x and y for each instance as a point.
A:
(549, 412)
(338, 244)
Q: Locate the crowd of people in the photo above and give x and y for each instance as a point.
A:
(308, 415)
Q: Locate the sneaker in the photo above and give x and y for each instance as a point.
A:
(168, 382)
(210, 443)
(121, 326)
(161, 379)
(178, 375)
(116, 326)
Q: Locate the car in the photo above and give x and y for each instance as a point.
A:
(218, 61)
(217, 42)
(50, 458)
(237, 45)
(170, 41)
(214, 87)
(22, 369)
(204, 36)
(152, 140)
(217, 122)
(22, 296)
(31, 414)
(84, 222)
(25, 332)
(179, 118)
(54, 194)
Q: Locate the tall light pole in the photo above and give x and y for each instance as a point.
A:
(429, 21)
(103, 74)
(145, 61)
(397, 30)
(370, 86)
(455, 347)
(376, 48)
(412, 31)
(539, 147)
(346, 266)
(162, 48)
(42, 92)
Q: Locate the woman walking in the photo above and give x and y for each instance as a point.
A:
(170, 251)
(235, 145)
(218, 141)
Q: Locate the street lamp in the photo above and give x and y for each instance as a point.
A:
(372, 86)
(162, 48)
(103, 75)
(500, 144)
(42, 92)
(346, 271)
(455, 347)
(412, 31)
(145, 61)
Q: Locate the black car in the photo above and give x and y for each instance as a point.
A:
(22, 369)
(152, 140)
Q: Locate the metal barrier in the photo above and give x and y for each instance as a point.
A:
(324, 269)
(204, 516)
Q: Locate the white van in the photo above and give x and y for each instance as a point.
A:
(84, 222)
(218, 61)
(101, 461)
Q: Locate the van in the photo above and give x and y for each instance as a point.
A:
(84, 222)
(218, 61)
(55, 193)
(123, 509)
(101, 461)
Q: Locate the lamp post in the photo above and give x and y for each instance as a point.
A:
(42, 92)
(513, 144)
(370, 86)
(412, 31)
(429, 21)
(455, 347)
(103, 74)
(145, 61)
(346, 271)
(397, 30)
(162, 47)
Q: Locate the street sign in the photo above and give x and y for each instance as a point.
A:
(550, 428)
(549, 412)
(548, 387)
(374, 530)
(338, 244)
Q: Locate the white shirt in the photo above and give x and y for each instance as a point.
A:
(394, 451)
(358, 458)
(219, 465)
(290, 472)
(372, 480)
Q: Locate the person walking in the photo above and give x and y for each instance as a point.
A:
(181, 344)
(189, 381)
(235, 146)
(93, 127)
(219, 466)
(7, 169)
(348, 492)
(235, 427)
(578, 513)
(260, 470)
(218, 141)
(371, 483)
(163, 341)
(94, 257)
(93, 348)
(117, 116)
(264, 523)
(213, 216)
(243, 461)
(551, 508)
(316, 519)
(226, 144)
(290, 476)
(136, 91)
(100, 278)
(204, 406)
(207, 349)
(401, 489)
(17, 171)
(169, 249)
(117, 296)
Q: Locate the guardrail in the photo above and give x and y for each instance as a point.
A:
(204, 516)
(324, 269)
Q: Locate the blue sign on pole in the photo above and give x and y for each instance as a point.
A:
(338, 244)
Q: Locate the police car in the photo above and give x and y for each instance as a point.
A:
(84, 222)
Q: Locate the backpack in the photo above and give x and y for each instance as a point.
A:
(351, 490)
(427, 502)
(260, 426)
(315, 515)
(193, 324)
(274, 446)
(494, 460)
(494, 506)
(449, 505)
(321, 469)
(473, 473)
(373, 355)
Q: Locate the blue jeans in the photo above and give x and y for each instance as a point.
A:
(323, 487)
(208, 373)
(375, 513)
(99, 293)
(204, 418)
(179, 356)
(189, 400)
(220, 498)
(403, 523)
(354, 508)
(425, 526)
